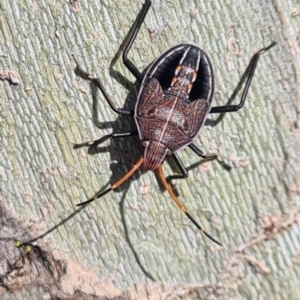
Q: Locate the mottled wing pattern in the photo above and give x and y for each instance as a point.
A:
(195, 115)
(150, 98)
(151, 130)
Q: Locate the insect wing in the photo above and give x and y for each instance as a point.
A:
(195, 115)
(150, 98)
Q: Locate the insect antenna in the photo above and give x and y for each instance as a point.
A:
(181, 207)
(117, 184)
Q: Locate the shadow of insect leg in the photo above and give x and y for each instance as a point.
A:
(105, 138)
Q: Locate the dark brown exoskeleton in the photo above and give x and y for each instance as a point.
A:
(172, 105)
(173, 102)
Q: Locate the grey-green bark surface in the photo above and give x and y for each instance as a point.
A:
(134, 243)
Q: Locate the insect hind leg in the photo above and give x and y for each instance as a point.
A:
(85, 75)
(249, 74)
(137, 26)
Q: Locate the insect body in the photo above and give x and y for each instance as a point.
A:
(172, 105)
(171, 108)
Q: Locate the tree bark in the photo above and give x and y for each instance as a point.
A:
(134, 243)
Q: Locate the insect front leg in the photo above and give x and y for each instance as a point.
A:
(209, 156)
(139, 21)
(181, 168)
(250, 73)
(201, 154)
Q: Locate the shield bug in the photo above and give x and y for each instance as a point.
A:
(172, 105)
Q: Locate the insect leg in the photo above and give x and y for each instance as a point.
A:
(180, 206)
(209, 156)
(201, 154)
(139, 21)
(250, 73)
(105, 138)
(87, 76)
(181, 168)
(117, 184)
